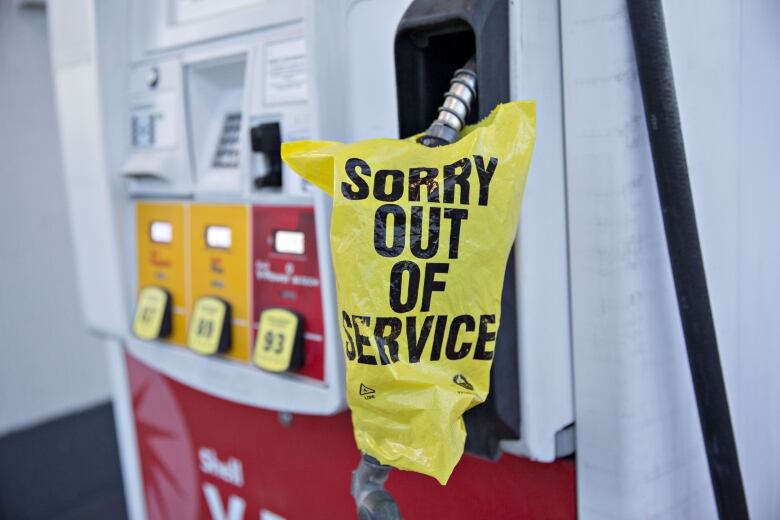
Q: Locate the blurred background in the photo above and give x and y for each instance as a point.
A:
(149, 224)
(58, 454)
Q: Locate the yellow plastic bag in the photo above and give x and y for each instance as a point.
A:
(420, 239)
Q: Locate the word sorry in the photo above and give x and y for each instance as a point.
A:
(390, 186)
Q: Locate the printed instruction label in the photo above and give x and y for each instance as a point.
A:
(286, 78)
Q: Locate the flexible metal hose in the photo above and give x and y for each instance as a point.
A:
(457, 104)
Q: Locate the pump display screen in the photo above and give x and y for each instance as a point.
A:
(161, 232)
(289, 242)
(219, 237)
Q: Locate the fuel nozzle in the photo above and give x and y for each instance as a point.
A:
(373, 501)
(368, 489)
(452, 113)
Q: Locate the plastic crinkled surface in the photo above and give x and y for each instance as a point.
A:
(420, 238)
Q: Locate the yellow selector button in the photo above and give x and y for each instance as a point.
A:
(210, 326)
(152, 314)
(279, 341)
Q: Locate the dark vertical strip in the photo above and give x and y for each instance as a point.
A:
(674, 191)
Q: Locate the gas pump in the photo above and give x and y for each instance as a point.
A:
(234, 245)
(205, 262)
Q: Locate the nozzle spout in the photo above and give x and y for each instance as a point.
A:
(368, 489)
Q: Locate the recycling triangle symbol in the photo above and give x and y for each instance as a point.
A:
(364, 390)
(461, 380)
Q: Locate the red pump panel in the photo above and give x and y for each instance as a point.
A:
(286, 273)
(203, 458)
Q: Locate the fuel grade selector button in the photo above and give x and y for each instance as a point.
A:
(279, 341)
(152, 318)
(209, 332)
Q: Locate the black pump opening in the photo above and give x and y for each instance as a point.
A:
(425, 62)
